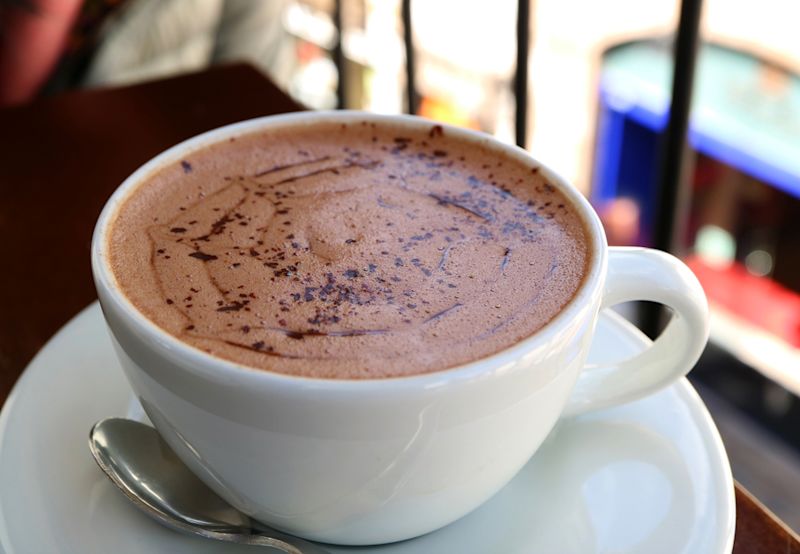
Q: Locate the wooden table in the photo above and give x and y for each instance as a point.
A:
(60, 159)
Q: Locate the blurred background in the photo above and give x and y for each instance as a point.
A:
(598, 98)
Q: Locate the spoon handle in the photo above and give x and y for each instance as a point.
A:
(267, 536)
(264, 540)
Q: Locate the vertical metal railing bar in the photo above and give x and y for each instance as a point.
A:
(521, 73)
(411, 89)
(672, 193)
(338, 57)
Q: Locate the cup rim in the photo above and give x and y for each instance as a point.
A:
(197, 360)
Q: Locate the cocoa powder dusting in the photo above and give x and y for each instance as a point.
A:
(349, 252)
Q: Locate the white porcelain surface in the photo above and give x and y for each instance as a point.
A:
(376, 461)
(648, 477)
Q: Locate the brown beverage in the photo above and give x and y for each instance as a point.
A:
(349, 251)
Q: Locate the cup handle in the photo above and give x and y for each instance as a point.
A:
(646, 274)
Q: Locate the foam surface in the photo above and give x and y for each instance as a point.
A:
(349, 251)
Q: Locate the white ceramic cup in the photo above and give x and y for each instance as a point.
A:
(375, 461)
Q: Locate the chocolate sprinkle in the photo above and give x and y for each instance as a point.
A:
(203, 256)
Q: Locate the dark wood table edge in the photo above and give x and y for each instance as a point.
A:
(754, 519)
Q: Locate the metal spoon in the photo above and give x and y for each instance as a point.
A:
(144, 467)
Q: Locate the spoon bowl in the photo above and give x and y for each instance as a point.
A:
(145, 468)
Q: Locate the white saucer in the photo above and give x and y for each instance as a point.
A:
(649, 477)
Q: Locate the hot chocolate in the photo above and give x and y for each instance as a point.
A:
(349, 251)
